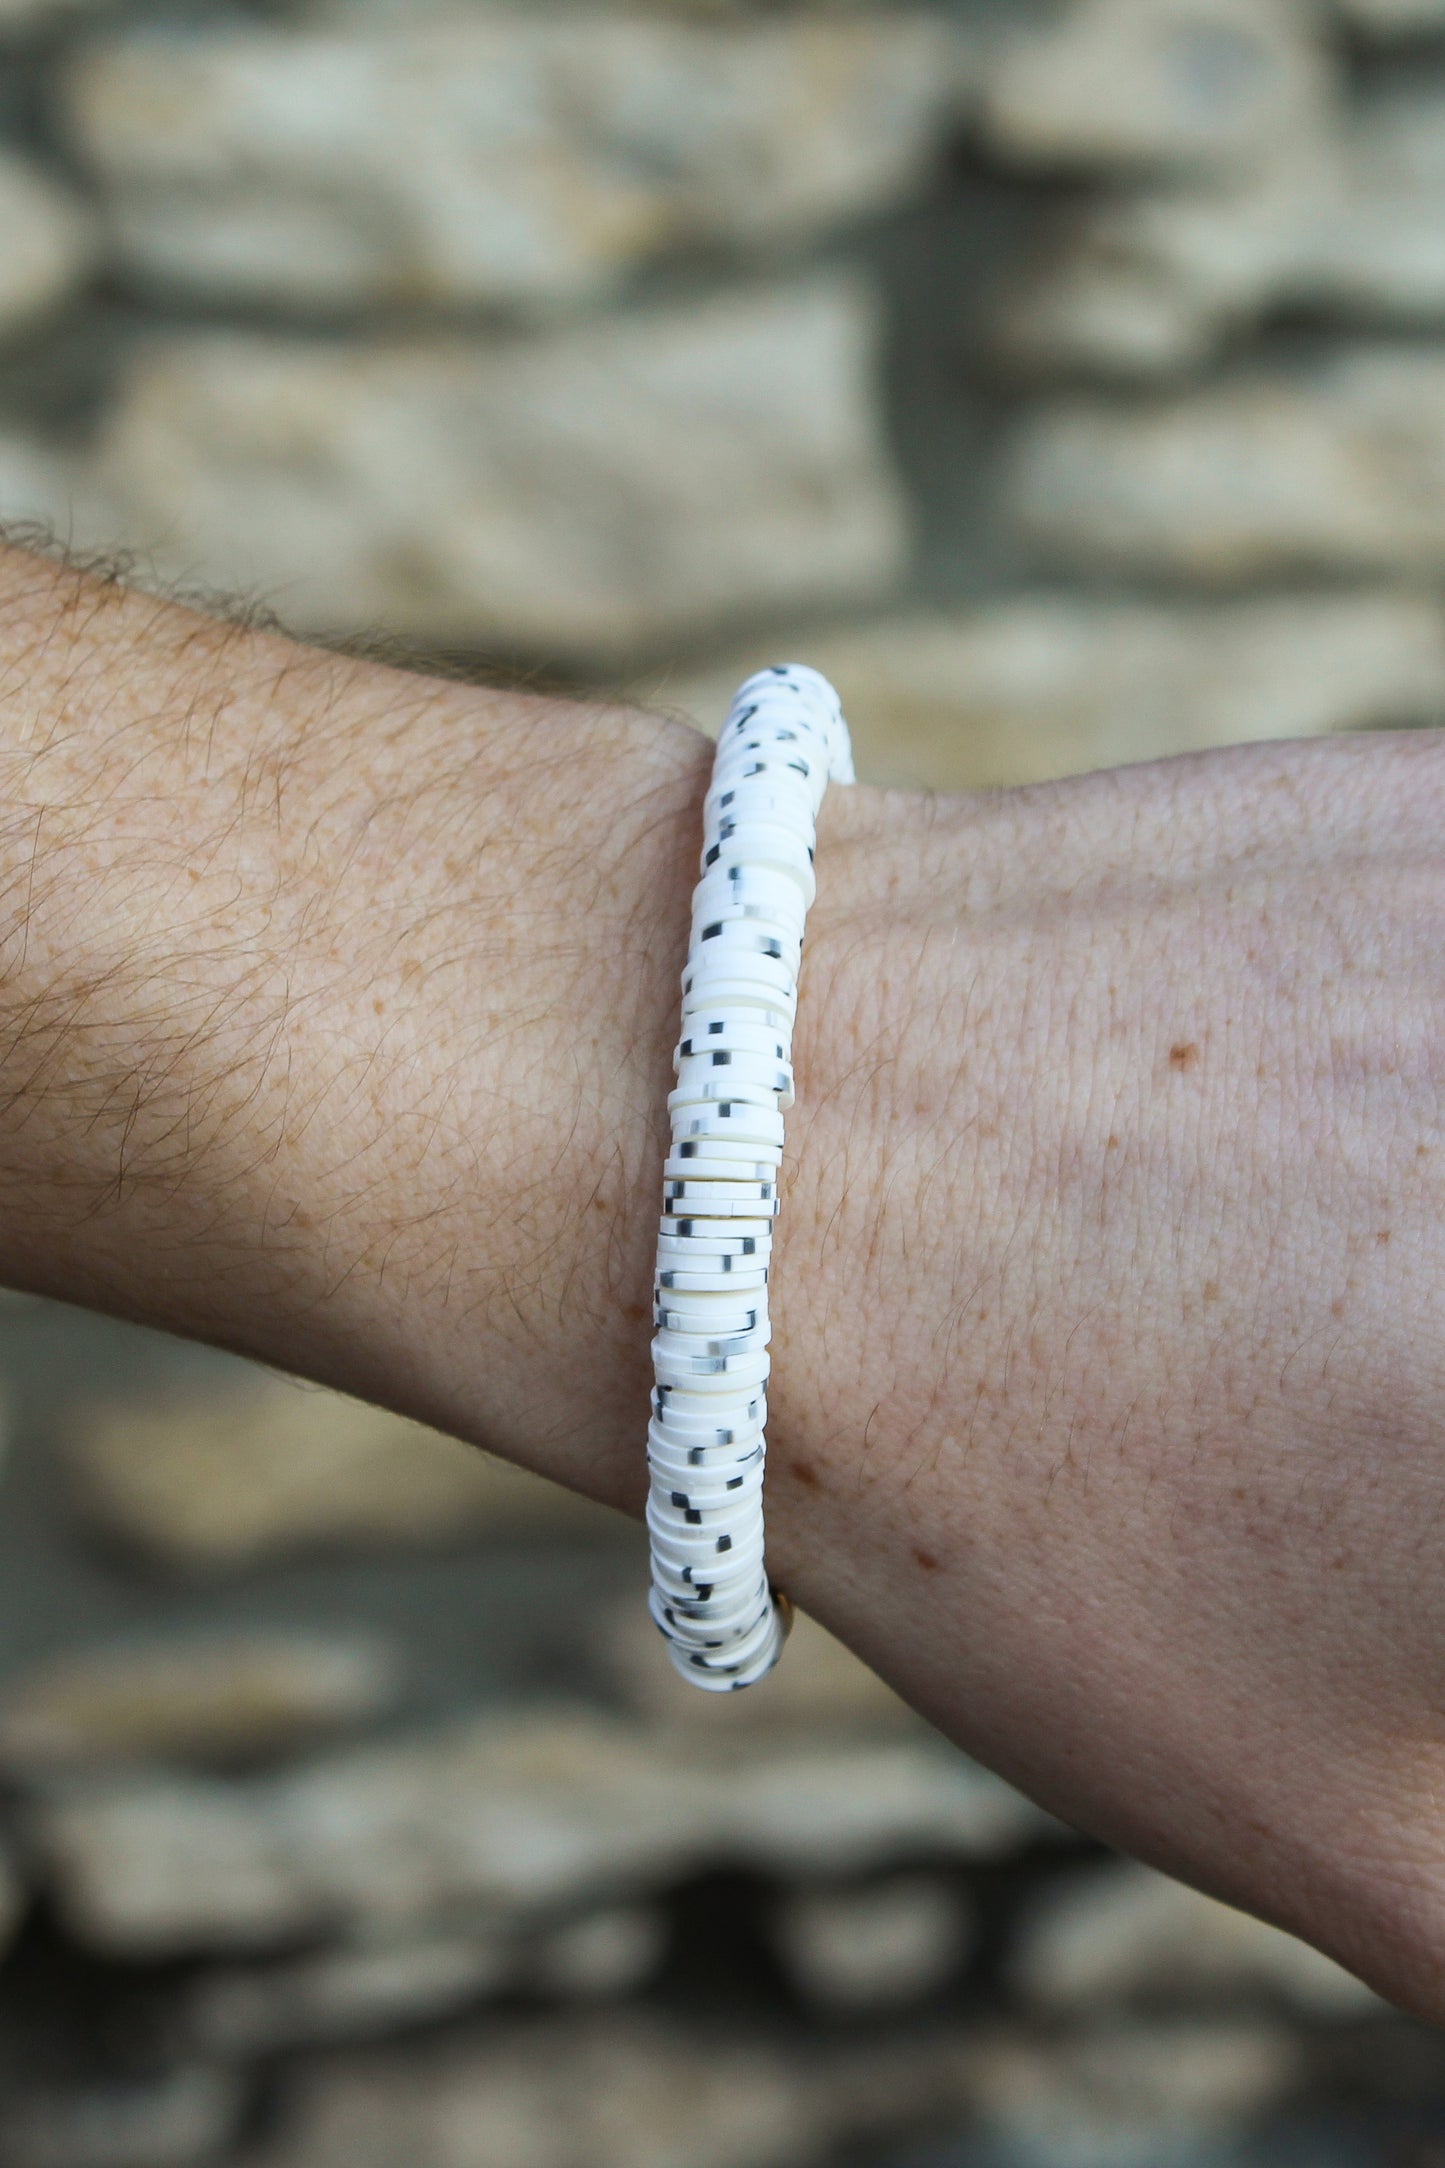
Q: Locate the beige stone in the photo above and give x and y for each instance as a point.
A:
(822, 1688)
(1081, 307)
(271, 1466)
(626, 2090)
(236, 1697)
(589, 494)
(872, 1945)
(492, 1822)
(1178, 84)
(368, 1990)
(1033, 687)
(1340, 468)
(612, 1951)
(1152, 283)
(1118, 2096)
(519, 159)
(841, 1810)
(343, 1994)
(1127, 1934)
(621, 2093)
(371, 13)
(46, 243)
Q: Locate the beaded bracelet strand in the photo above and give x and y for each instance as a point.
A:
(783, 741)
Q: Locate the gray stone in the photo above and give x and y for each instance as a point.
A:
(1040, 686)
(370, 1990)
(1152, 284)
(46, 242)
(237, 1697)
(22, 19)
(516, 160)
(1389, 19)
(840, 1810)
(39, 487)
(872, 1945)
(345, 1994)
(496, 1822)
(625, 2090)
(583, 494)
(1149, 284)
(1135, 2096)
(272, 1467)
(181, 2119)
(356, 14)
(643, 2093)
(1172, 84)
(618, 2093)
(484, 1822)
(1126, 1934)
(1338, 469)
(5, 1423)
(612, 1951)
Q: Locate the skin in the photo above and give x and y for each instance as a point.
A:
(335, 1015)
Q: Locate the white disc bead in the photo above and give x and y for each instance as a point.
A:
(784, 741)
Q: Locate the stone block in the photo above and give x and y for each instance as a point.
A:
(47, 242)
(1124, 1934)
(1037, 686)
(612, 1951)
(272, 1467)
(1147, 2095)
(518, 159)
(628, 2092)
(872, 1946)
(841, 1810)
(238, 1697)
(1159, 84)
(1153, 283)
(371, 13)
(1336, 468)
(586, 494)
(344, 1994)
(370, 1990)
(492, 1823)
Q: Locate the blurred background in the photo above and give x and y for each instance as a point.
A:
(1067, 381)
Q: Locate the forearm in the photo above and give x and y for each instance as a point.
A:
(335, 1014)
(335, 1010)
(335, 1025)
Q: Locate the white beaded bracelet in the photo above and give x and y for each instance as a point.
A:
(784, 740)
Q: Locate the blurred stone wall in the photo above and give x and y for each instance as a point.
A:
(1069, 382)
(1063, 378)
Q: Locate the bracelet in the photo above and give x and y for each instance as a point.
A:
(783, 741)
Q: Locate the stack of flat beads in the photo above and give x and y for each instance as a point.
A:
(784, 740)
